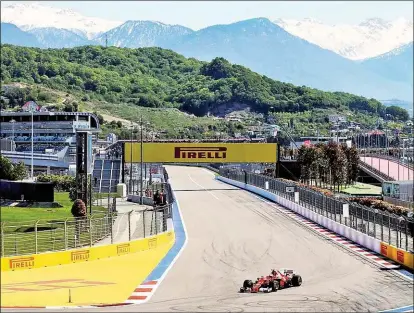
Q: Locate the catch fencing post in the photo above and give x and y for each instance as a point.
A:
(406, 235)
(65, 233)
(129, 225)
(389, 228)
(143, 221)
(36, 244)
(2, 239)
(340, 213)
(109, 205)
(90, 231)
(156, 223)
(400, 220)
(112, 228)
(397, 231)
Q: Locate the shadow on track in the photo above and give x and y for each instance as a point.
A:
(206, 189)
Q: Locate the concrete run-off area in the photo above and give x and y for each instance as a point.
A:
(234, 235)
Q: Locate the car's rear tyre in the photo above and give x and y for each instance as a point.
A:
(274, 285)
(297, 280)
(247, 284)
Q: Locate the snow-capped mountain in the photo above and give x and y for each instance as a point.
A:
(13, 35)
(396, 64)
(51, 37)
(370, 38)
(34, 15)
(268, 49)
(136, 34)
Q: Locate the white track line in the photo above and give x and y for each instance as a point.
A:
(202, 187)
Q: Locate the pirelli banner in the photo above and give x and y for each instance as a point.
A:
(399, 255)
(154, 152)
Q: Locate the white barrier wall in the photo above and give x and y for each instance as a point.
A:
(348, 232)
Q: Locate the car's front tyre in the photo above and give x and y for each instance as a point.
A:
(296, 280)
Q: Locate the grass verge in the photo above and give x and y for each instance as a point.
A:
(55, 227)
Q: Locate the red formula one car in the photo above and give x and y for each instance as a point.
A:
(278, 279)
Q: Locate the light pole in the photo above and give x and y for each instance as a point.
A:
(130, 169)
(403, 161)
(388, 152)
(31, 171)
(13, 122)
(142, 161)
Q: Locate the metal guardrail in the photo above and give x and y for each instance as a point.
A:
(393, 229)
(47, 236)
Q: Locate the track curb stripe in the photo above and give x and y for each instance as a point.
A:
(365, 252)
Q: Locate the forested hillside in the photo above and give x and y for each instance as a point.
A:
(154, 77)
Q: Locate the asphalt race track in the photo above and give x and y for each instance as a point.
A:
(233, 235)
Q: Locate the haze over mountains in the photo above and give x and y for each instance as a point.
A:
(136, 34)
(35, 15)
(300, 52)
(368, 39)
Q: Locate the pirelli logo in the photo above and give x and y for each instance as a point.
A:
(400, 256)
(79, 256)
(384, 250)
(152, 243)
(200, 153)
(17, 263)
(123, 249)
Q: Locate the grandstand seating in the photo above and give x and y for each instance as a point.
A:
(36, 125)
(40, 138)
(40, 147)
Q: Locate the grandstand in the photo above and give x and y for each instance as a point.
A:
(53, 136)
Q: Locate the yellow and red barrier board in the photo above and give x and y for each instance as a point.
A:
(399, 255)
(85, 254)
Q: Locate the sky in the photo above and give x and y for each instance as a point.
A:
(199, 14)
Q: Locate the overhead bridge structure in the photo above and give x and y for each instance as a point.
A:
(386, 169)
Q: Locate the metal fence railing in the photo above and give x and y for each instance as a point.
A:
(400, 199)
(383, 225)
(150, 179)
(46, 236)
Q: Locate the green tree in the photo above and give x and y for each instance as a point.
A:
(337, 164)
(10, 171)
(158, 78)
(352, 157)
(397, 113)
(6, 168)
(19, 171)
